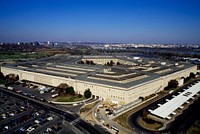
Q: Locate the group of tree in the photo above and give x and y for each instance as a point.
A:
(89, 62)
(8, 79)
(111, 63)
(22, 47)
(192, 75)
(63, 88)
(172, 84)
(11, 77)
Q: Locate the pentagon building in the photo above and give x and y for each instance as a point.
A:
(118, 78)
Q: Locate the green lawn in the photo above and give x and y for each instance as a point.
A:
(122, 120)
(22, 55)
(150, 126)
(87, 108)
(3, 81)
(68, 98)
(193, 130)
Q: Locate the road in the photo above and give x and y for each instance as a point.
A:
(112, 123)
(69, 116)
(109, 121)
(181, 123)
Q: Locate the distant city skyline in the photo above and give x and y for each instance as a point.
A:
(123, 21)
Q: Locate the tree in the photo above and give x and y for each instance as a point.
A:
(7, 76)
(118, 63)
(70, 90)
(141, 98)
(87, 93)
(172, 84)
(62, 88)
(111, 63)
(192, 75)
(92, 63)
(80, 62)
(1, 75)
(108, 64)
(79, 95)
(17, 77)
(87, 62)
(144, 113)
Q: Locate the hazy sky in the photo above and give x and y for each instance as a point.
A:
(136, 21)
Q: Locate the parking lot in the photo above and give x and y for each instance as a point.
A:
(42, 93)
(20, 117)
(34, 90)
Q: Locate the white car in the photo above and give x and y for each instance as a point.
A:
(37, 121)
(6, 127)
(48, 129)
(41, 92)
(11, 114)
(52, 90)
(50, 118)
(30, 129)
(36, 113)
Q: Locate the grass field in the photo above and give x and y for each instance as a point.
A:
(2, 81)
(194, 130)
(22, 55)
(152, 126)
(68, 98)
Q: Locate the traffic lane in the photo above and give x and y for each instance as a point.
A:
(101, 129)
(82, 125)
(72, 108)
(85, 126)
(68, 127)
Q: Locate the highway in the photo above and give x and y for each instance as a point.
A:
(68, 116)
